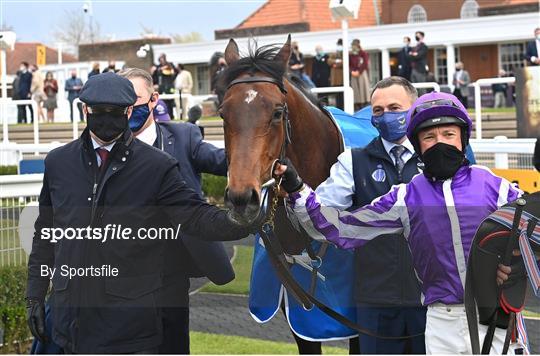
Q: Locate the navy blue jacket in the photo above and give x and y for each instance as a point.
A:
(140, 187)
(25, 82)
(532, 51)
(384, 274)
(183, 141)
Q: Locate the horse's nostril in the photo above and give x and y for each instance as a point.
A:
(254, 201)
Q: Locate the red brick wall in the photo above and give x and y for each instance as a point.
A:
(395, 11)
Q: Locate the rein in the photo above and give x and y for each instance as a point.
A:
(279, 259)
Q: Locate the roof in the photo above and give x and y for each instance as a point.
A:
(26, 52)
(315, 12)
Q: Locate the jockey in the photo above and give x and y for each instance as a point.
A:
(438, 213)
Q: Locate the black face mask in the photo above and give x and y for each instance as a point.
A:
(107, 126)
(417, 38)
(442, 161)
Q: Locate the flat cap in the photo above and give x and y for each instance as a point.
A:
(108, 89)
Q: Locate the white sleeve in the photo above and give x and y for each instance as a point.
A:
(338, 190)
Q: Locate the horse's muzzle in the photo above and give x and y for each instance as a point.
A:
(243, 206)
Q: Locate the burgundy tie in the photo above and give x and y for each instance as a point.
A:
(104, 155)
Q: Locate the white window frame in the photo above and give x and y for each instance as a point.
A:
(417, 14)
(436, 66)
(469, 9)
(519, 61)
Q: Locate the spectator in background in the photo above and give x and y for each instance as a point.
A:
(417, 57)
(95, 69)
(164, 76)
(216, 66)
(297, 65)
(359, 70)
(37, 91)
(404, 60)
(533, 49)
(194, 114)
(336, 72)
(461, 83)
(184, 84)
(51, 89)
(499, 91)
(73, 86)
(296, 61)
(320, 70)
(24, 93)
(111, 67)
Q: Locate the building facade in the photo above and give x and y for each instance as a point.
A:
(487, 35)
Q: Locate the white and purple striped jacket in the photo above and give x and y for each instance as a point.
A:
(438, 219)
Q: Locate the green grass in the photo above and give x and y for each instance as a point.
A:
(242, 269)
(494, 110)
(203, 343)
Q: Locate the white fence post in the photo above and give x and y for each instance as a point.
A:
(478, 99)
(429, 85)
(501, 158)
(75, 110)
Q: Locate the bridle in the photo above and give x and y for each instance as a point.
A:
(279, 259)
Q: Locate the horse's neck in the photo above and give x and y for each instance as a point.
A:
(315, 142)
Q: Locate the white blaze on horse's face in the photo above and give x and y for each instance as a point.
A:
(250, 95)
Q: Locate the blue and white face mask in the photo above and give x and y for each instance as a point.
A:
(139, 116)
(392, 125)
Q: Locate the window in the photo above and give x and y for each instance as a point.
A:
(511, 56)
(440, 70)
(469, 9)
(417, 13)
(203, 79)
(374, 68)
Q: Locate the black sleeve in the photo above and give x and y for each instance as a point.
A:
(205, 157)
(183, 206)
(42, 250)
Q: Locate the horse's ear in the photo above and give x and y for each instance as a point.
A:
(231, 52)
(285, 53)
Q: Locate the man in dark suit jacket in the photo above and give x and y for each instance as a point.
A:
(418, 58)
(533, 49)
(403, 59)
(184, 142)
(25, 83)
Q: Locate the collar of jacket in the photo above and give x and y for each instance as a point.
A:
(126, 140)
(165, 137)
(376, 149)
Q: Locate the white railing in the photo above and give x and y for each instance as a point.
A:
(427, 85)
(478, 98)
(30, 102)
(11, 153)
(348, 96)
(192, 100)
(504, 153)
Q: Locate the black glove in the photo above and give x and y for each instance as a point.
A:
(35, 312)
(291, 180)
(517, 273)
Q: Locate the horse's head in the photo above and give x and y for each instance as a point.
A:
(254, 113)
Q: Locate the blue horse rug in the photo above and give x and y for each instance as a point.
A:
(334, 286)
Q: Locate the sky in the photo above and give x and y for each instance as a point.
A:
(37, 20)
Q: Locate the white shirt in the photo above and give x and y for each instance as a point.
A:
(149, 134)
(338, 190)
(96, 146)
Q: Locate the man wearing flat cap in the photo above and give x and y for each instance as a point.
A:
(100, 236)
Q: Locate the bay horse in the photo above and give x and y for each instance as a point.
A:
(259, 102)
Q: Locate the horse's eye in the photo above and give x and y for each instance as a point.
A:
(277, 115)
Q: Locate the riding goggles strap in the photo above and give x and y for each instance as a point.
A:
(504, 216)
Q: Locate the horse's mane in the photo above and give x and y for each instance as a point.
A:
(261, 59)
